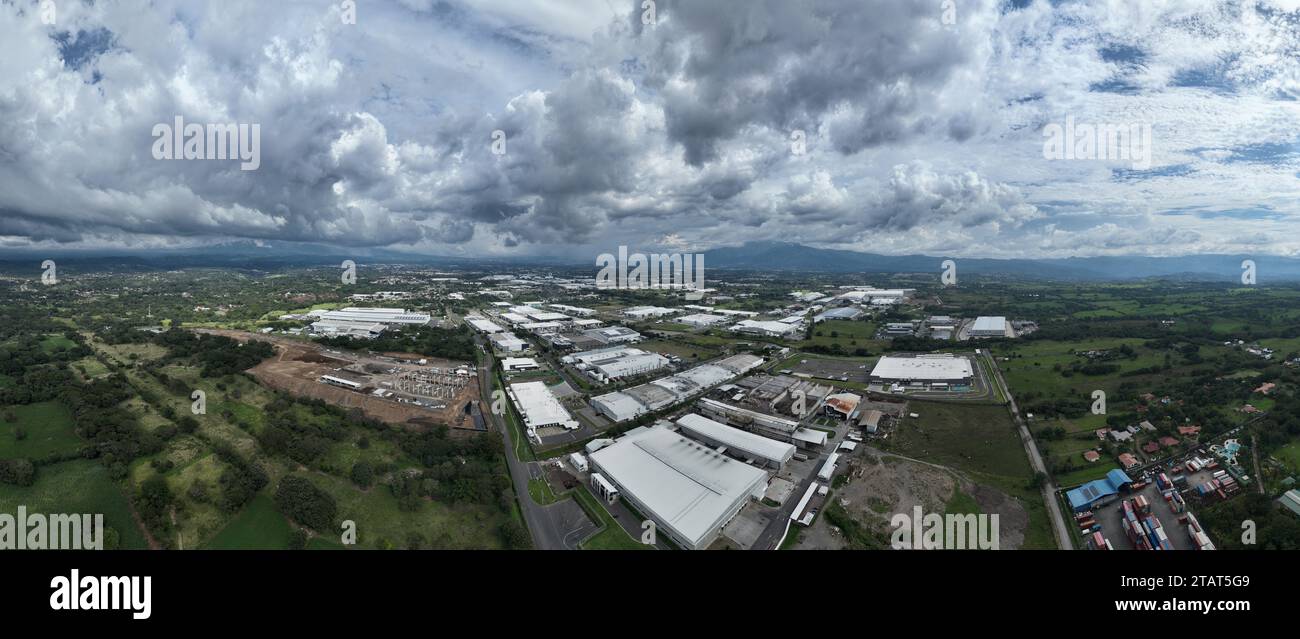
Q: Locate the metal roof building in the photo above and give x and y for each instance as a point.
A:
(688, 489)
(759, 327)
(508, 342)
(701, 319)
(617, 362)
(375, 315)
(1098, 491)
(343, 328)
(482, 325)
(989, 327)
(843, 312)
(922, 368)
(539, 407)
(771, 453)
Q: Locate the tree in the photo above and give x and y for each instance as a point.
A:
(303, 502)
(362, 474)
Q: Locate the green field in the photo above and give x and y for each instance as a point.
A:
(848, 334)
(381, 524)
(688, 352)
(968, 437)
(76, 487)
(259, 526)
(48, 427)
(1290, 455)
(982, 442)
(53, 343)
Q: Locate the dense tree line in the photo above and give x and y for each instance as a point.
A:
(240, 480)
(219, 355)
(460, 469)
(1276, 528)
(301, 501)
(19, 472)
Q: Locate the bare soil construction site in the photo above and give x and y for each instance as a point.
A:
(881, 485)
(396, 388)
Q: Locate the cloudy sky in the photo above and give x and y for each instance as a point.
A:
(886, 126)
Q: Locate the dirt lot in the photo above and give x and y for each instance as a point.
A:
(881, 485)
(298, 366)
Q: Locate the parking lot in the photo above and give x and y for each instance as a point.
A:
(844, 370)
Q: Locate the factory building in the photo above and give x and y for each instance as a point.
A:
(517, 364)
(689, 490)
(765, 452)
(507, 343)
(842, 405)
(539, 407)
(515, 319)
(841, 313)
(342, 383)
(482, 325)
(934, 372)
(387, 316)
(647, 312)
(343, 328)
(609, 364)
(990, 327)
(765, 328)
(573, 310)
(542, 328)
(899, 329)
(701, 320)
(664, 392)
(613, 335)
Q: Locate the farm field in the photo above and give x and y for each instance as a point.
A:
(75, 487)
(980, 441)
(259, 526)
(382, 524)
(48, 430)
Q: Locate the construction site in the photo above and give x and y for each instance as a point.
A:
(396, 388)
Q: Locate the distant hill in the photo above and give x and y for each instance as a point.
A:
(779, 256)
(795, 257)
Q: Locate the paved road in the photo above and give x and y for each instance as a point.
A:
(559, 526)
(771, 536)
(1063, 539)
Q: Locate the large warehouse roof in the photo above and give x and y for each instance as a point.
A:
(539, 406)
(618, 406)
(990, 325)
(482, 325)
(382, 315)
(684, 486)
(923, 367)
(733, 438)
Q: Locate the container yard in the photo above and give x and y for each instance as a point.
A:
(1156, 512)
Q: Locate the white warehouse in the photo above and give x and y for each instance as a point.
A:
(540, 408)
(607, 364)
(766, 452)
(688, 489)
(990, 327)
(933, 371)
